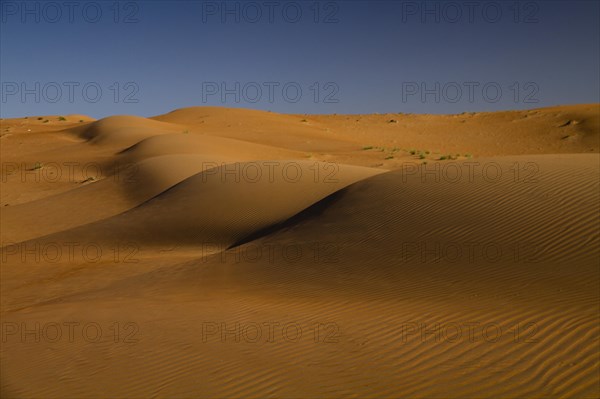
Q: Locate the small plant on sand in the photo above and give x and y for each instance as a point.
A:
(468, 155)
(46, 121)
(392, 121)
(369, 147)
(412, 152)
(421, 156)
(447, 157)
(40, 118)
(81, 120)
(62, 118)
(389, 157)
(38, 165)
(303, 121)
(186, 132)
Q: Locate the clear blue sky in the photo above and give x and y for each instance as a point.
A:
(151, 57)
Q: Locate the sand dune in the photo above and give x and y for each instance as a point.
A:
(238, 253)
(123, 130)
(220, 205)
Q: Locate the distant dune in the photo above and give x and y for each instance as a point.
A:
(236, 253)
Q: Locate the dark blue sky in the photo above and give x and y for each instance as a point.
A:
(151, 57)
